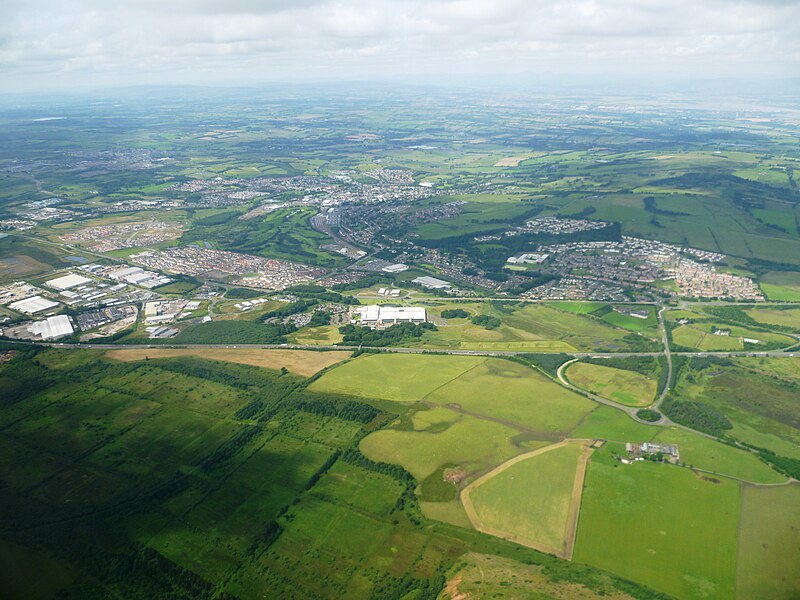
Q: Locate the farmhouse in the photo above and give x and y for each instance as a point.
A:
(648, 449)
(382, 316)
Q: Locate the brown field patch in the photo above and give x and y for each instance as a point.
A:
(300, 362)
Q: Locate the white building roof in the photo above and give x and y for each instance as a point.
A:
(32, 305)
(52, 327)
(395, 268)
(431, 282)
(67, 281)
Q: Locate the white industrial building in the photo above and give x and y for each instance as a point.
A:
(52, 328)
(381, 316)
(32, 305)
(395, 268)
(432, 283)
(67, 281)
(529, 258)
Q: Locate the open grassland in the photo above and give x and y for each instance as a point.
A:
(532, 499)
(660, 524)
(782, 285)
(487, 576)
(699, 336)
(774, 316)
(400, 377)
(472, 443)
(703, 453)
(513, 393)
(626, 387)
(301, 362)
(324, 336)
(614, 425)
(786, 368)
(543, 327)
(769, 543)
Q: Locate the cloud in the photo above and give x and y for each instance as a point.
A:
(97, 41)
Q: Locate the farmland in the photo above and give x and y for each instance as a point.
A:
(301, 362)
(626, 387)
(686, 552)
(531, 501)
(768, 543)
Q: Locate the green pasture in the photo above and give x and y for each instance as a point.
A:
(626, 387)
(776, 316)
(608, 423)
(660, 524)
(531, 499)
(471, 442)
(769, 543)
(400, 377)
(781, 285)
(703, 453)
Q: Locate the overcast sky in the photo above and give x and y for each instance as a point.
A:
(63, 43)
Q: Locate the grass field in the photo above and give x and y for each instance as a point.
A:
(700, 337)
(703, 453)
(302, 362)
(324, 336)
(774, 316)
(516, 394)
(769, 543)
(400, 377)
(781, 285)
(552, 327)
(626, 387)
(487, 576)
(473, 443)
(660, 524)
(531, 499)
(611, 424)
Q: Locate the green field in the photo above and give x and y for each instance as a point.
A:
(782, 285)
(774, 316)
(400, 377)
(769, 543)
(552, 327)
(660, 524)
(530, 500)
(626, 387)
(721, 459)
(472, 443)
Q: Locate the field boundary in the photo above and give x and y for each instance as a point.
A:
(575, 499)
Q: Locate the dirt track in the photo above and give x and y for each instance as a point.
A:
(575, 500)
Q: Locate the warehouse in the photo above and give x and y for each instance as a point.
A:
(432, 283)
(67, 281)
(383, 316)
(52, 328)
(32, 305)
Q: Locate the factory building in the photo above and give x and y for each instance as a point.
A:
(384, 316)
(432, 283)
(52, 328)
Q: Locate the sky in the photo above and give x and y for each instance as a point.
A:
(95, 43)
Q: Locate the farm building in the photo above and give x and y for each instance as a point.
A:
(381, 316)
(670, 451)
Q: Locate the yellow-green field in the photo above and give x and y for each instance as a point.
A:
(626, 387)
(774, 316)
(769, 543)
(532, 498)
(660, 524)
(302, 362)
(399, 377)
